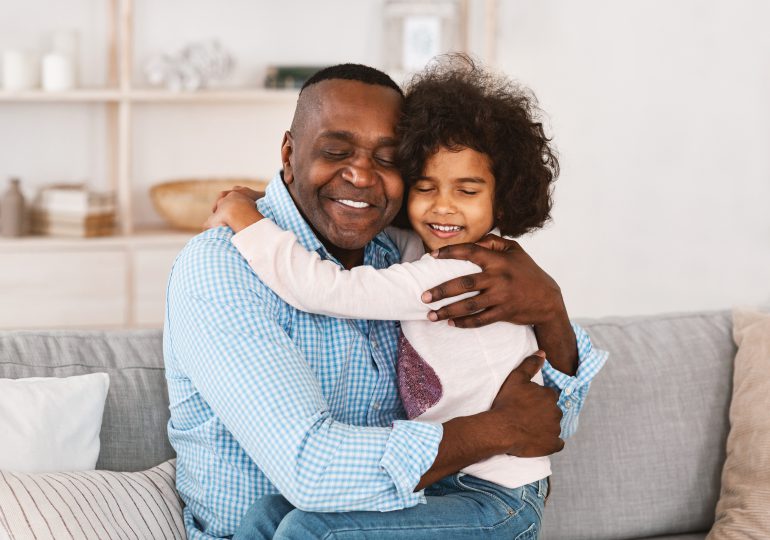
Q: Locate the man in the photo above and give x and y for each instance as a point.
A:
(266, 399)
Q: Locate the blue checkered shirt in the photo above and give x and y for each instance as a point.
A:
(265, 398)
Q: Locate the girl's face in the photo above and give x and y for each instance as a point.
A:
(453, 202)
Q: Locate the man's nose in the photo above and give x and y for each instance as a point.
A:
(360, 173)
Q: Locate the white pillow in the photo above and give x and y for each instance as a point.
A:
(51, 424)
(91, 504)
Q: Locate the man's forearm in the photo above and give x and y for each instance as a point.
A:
(557, 338)
(466, 440)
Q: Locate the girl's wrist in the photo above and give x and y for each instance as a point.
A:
(243, 218)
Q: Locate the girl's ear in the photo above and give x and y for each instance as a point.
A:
(287, 151)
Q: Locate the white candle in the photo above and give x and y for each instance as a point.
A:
(58, 72)
(20, 70)
(66, 42)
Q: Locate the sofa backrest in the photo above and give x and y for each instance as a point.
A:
(645, 461)
(647, 457)
(133, 435)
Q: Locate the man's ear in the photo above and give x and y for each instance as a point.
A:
(287, 152)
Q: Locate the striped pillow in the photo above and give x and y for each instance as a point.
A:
(91, 504)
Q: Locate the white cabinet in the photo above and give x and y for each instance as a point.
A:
(57, 289)
(150, 268)
(117, 282)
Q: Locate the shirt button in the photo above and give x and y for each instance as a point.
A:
(568, 391)
(568, 405)
(376, 405)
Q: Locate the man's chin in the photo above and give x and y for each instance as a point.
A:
(351, 239)
(352, 234)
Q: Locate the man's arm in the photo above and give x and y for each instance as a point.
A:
(515, 289)
(574, 389)
(227, 337)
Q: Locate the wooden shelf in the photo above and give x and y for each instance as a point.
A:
(245, 95)
(84, 95)
(103, 95)
(144, 238)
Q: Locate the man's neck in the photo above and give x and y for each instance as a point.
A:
(348, 258)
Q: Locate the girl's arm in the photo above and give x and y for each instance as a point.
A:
(315, 285)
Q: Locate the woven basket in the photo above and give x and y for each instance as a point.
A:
(185, 204)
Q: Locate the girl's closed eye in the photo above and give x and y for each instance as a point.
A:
(423, 186)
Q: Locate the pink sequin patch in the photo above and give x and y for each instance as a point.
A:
(418, 384)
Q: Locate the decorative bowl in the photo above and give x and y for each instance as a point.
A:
(186, 203)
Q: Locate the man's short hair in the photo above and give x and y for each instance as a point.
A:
(353, 72)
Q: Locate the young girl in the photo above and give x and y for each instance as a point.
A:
(475, 162)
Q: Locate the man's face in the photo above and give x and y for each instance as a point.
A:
(339, 163)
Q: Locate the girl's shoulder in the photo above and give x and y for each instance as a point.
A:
(408, 243)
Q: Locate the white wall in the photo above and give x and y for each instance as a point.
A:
(659, 110)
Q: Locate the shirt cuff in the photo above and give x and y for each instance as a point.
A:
(573, 389)
(410, 451)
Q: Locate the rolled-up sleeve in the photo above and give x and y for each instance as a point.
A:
(574, 389)
(228, 337)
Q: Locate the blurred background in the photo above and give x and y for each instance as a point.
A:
(660, 111)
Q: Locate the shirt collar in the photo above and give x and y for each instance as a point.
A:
(278, 205)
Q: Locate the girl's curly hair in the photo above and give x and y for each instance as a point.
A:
(454, 103)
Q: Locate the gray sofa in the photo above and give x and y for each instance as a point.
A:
(645, 463)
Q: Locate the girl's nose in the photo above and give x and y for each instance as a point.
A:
(443, 205)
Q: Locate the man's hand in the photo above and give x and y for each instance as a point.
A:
(234, 208)
(524, 421)
(528, 412)
(512, 288)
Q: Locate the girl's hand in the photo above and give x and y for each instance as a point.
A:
(236, 209)
(248, 192)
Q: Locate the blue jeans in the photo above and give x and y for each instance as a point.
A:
(458, 507)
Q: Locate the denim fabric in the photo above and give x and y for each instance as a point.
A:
(458, 507)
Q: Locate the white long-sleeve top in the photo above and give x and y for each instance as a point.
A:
(444, 372)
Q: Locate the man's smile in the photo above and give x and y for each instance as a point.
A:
(353, 204)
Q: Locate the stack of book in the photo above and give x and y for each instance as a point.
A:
(73, 210)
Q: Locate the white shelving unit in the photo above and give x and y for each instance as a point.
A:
(121, 96)
(119, 281)
(116, 281)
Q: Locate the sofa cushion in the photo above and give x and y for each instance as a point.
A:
(91, 504)
(688, 536)
(133, 434)
(743, 510)
(647, 457)
(51, 423)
